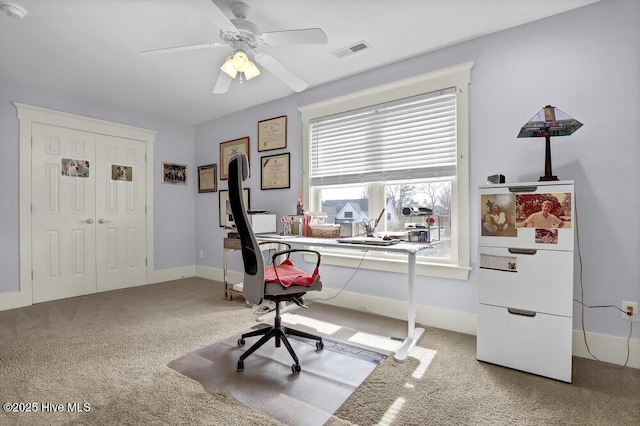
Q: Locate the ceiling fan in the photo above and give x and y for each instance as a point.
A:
(244, 38)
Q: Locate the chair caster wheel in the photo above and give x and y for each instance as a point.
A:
(240, 343)
(319, 345)
(240, 366)
(295, 368)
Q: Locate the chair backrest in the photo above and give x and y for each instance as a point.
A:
(253, 284)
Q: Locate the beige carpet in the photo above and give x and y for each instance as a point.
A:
(111, 350)
(267, 383)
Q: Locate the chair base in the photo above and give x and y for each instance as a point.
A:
(279, 332)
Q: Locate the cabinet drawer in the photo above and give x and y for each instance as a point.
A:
(232, 243)
(517, 202)
(541, 282)
(539, 344)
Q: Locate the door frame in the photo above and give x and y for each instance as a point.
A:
(29, 114)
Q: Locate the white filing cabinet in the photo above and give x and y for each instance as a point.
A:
(525, 279)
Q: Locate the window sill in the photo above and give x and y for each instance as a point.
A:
(449, 271)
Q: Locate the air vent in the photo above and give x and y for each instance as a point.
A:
(350, 50)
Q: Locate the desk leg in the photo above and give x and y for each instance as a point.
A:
(227, 293)
(413, 334)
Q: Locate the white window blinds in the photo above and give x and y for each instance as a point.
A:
(410, 138)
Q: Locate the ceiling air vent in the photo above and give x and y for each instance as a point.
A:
(350, 50)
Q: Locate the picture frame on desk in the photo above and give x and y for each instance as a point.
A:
(224, 205)
(230, 148)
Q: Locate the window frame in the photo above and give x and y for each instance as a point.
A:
(458, 76)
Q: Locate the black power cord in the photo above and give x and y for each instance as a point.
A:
(604, 306)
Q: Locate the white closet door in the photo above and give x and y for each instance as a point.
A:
(120, 212)
(63, 213)
(89, 213)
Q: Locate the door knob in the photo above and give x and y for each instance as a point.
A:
(89, 220)
(103, 221)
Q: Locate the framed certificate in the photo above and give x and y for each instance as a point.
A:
(207, 178)
(229, 149)
(272, 134)
(276, 171)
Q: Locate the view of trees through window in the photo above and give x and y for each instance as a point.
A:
(352, 204)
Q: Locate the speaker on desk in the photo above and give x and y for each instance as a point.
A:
(495, 179)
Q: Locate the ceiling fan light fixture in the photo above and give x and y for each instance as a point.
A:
(240, 60)
(251, 71)
(228, 68)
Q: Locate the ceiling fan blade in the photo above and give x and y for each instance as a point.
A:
(276, 68)
(181, 48)
(217, 16)
(305, 36)
(222, 84)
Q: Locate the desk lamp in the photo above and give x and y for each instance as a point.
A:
(549, 121)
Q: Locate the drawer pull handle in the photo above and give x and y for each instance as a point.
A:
(522, 251)
(532, 188)
(521, 312)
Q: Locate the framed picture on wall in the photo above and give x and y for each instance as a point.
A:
(229, 149)
(275, 171)
(173, 173)
(226, 216)
(207, 178)
(272, 134)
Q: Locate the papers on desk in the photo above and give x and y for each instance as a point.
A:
(372, 241)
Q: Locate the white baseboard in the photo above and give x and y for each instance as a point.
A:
(10, 301)
(162, 275)
(216, 274)
(606, 348)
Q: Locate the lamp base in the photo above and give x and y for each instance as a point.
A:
(547, 178)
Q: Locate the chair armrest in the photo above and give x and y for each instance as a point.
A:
(263, 243)
(287, 252)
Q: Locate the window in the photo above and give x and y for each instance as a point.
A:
(400, 145)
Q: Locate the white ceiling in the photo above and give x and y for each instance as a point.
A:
(91, 48)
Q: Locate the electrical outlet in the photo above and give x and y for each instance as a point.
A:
(201, 253)
(630, 307)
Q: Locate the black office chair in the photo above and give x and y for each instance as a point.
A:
(276, 282)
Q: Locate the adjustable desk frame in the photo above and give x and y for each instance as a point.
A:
(410, 249)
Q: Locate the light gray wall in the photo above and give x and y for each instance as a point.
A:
(174, 218)
(586, 63)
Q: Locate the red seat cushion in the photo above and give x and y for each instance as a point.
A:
(287, 274)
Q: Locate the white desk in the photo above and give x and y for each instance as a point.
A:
(410, 249)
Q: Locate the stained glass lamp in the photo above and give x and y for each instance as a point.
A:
(549, 121)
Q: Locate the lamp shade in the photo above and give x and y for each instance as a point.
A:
(251, 71)
(240, 62)
(549, 121)
(228, 67)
